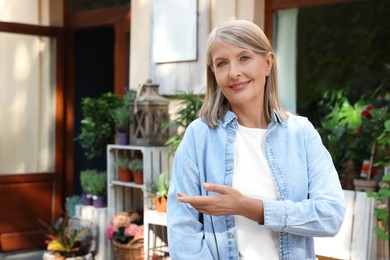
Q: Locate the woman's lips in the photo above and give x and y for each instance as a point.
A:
(240, 85)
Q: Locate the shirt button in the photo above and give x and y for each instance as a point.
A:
(229, 168)
(231, 235)
(230, 141)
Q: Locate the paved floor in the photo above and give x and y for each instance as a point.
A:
(22, 255)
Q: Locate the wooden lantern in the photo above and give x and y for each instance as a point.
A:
(149, 111)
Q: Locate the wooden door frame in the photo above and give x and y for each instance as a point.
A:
(119, 18)
(55, 180)
(274, 5)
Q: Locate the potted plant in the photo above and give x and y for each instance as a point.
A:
(124, 173)
(97, 125)
(136, 166)
(372, 138)
(190, 105)
(337, 128)
(85, 182)
(99, 189)
(126, 233)
(160, 192)
(66, 241)
(122, 124)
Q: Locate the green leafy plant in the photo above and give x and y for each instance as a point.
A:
(373, 134)
(160, 186)
(339, 126)
(85, 180)
(136, 164)
(382, 209)
(65, 240)
(71, 203)
(122, 162)
(190, 105)
(97, 125)
(122, 119)
(99, 183)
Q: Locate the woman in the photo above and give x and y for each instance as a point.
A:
(250, 181)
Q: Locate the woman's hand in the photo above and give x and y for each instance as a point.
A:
(229, 201)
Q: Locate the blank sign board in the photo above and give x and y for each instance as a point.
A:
(174, 30)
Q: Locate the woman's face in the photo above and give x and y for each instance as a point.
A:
(241, 74)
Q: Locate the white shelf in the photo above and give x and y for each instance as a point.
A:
(155, 217)
(128, 184)
(124, 195)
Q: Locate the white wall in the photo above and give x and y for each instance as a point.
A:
(188, 76)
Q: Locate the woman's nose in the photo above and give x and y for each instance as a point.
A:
(234, 71)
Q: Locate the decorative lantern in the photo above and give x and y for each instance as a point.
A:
(149, 111)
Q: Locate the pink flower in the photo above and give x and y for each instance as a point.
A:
(132, 230)
(121, 220)
(110, 232)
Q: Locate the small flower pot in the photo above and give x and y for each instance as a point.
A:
(138, 177)
(99, 201)
(122, 138)
(87, 199)
(161, 204)
(125, 175)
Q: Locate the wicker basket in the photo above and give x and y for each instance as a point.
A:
(134, 250)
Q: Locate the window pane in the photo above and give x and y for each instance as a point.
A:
(27, 104)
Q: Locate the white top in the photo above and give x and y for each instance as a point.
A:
(252, 178)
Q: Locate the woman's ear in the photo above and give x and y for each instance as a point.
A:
(270, 59)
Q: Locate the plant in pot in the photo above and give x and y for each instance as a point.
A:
(99, 189)
(97, 125)
(127, 235)
(136, 166)
(85, 182)
(67, 241)
(124, 173)
(372, 140)
(122, 124)
(337, 128)
(160, 192)
(190, 105)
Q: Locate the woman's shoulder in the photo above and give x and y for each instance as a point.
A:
(298, 122)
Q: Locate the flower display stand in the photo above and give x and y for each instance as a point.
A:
(125, 195)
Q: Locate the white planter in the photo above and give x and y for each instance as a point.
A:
(50, 256)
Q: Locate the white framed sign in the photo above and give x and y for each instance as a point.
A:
(174, 30)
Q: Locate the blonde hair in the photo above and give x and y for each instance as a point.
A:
(246, 35)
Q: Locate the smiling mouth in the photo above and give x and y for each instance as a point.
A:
(240, 85)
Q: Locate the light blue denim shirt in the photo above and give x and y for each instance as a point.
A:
(311, 201)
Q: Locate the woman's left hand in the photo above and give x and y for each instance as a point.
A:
(229, 201)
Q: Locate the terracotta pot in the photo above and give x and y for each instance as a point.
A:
(138, 177)
(161, 204)
(125, 175)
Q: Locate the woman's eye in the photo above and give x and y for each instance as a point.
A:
(220, 64)
(244, 58)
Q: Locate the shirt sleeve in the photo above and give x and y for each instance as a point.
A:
(322, 212)
(186, 233)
